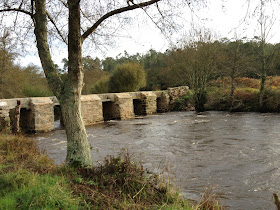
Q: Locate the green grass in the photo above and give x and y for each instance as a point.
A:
(30, 180)
(23, 189)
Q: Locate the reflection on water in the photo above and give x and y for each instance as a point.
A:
(236, 153)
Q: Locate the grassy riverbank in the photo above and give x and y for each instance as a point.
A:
(31, 180)
(246, 95)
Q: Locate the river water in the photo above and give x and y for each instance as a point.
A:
(237, 154)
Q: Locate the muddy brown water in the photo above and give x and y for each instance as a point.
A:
(238, 154)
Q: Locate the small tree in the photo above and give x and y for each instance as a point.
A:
(197, 63)
(127, 77)
(234, 60)
(266, 52)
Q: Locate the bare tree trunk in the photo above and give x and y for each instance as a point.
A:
(67, 91)
(232, 90)
(262, 88)
(78, 148)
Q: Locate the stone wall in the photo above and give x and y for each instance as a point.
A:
(176, 93)
(4, 115)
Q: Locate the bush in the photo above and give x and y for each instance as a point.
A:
(36, 92)
(245, 99)
(101, 86)
(26, 181)
(273, 82)
(271, 100)
(128, 77)
(217, 99)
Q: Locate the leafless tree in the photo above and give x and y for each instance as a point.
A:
(73, 22)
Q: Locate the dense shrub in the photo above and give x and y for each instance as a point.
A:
(218, 99)
(245, 99)
(101, 86)
(127, 77)
(37, 92)
(272, 99)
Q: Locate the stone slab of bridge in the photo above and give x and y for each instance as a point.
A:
(37, 114)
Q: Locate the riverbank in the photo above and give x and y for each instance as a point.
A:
(245, 97)
(29, 179)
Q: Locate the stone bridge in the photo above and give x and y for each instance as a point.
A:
(38, 114)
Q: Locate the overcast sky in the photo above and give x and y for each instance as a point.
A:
(226, 18)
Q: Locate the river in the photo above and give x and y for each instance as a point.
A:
(236, 153)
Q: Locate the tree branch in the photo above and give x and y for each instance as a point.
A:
(114, 12)
(58, 31)
(41, 32)
(64, 3)
(17, 10)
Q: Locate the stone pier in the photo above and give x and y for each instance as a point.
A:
(4, 115)
(163, 101)
(123, 106)
(91, 109)
(40, 117)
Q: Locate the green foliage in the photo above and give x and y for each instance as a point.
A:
(182, 103)
(92, 73)
(127, 77)
(101, 86)
(245, 99)
(91, 77)
(36, 92)
(16, 81)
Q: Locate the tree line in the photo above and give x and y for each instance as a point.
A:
(197, 63)
(17, 81)
(194, 64)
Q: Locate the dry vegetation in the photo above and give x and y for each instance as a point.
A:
(246, 95)
(31, 180)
